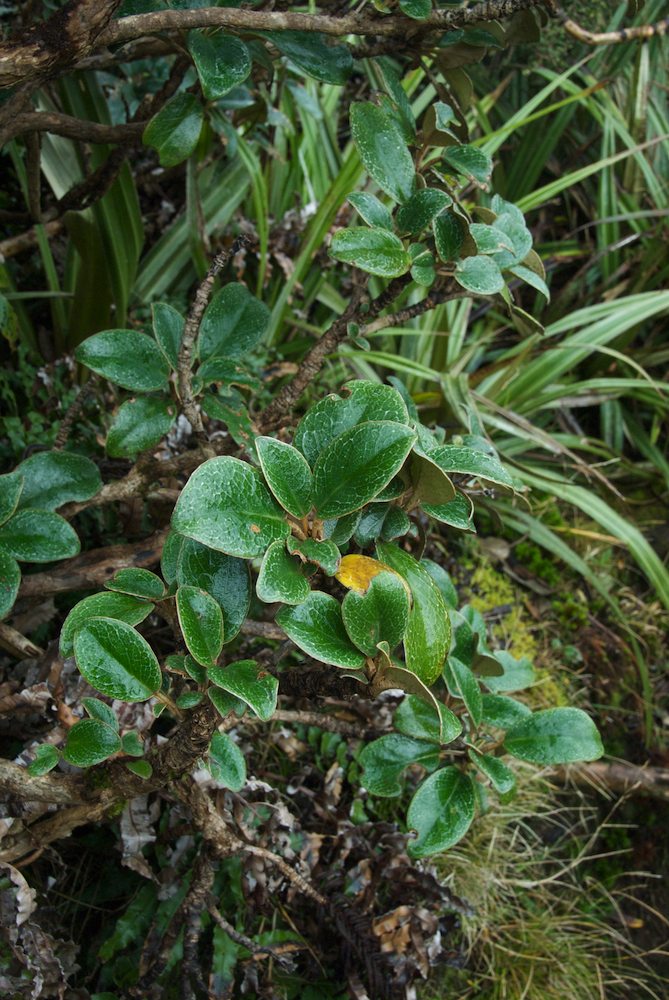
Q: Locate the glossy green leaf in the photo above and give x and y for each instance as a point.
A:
(356, 466)
(222, 62)
(383, 150)
(138, 582)
(480, 275)
(421, 720)
(502, 778)
(458, 513)
(423, 266)
(97, 709)
(11, 486)
(116, 660)
(370, 524)
(229, 407)
(225, 703)
(428, 481)
(443, 582)
(226, 506)
(52, 478)
(381, 614)
(470, 161)
(555, 736)
(287, 474)
(416, 8)
(502, 712)
(317, 628)
(226, 762)
(234, 322)
(168, 328)
(247, 681)
(331, 416)
(201, 622)
(385, 760)
(140, 424)
(127, 357)
(90, 742)
(417, 213)
(226, 372)
(314, 54)
(46, 758)
(374, 250)
(429, 632)
(38, 536)
(448, 235)
(471, 462)
(488, 239)
(281, 578)
(518, 673)
(170, 555)
(141, 768)
(462, 684)
(122, 607)
(132, 745)
(175, 131)
(224, 577)
(10, 580)
(371, 209)
(189, 699)
(441, 812)
(530, 278)
(324, 554)
(517, 234)
(340, 529)
(396, 523)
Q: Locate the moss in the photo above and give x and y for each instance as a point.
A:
(488, 590)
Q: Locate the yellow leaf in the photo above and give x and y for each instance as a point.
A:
(357, 572)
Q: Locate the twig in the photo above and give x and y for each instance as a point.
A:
(18, 645)
(73, 412)
(328, 723)
(618, 776)
(404, 315)
(256, 950)
(641, 31)
(300, 883)
(193, 906)
(61, 789)
(74, 128)
(33, 176)
(191, 329)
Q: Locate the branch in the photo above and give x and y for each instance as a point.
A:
(642, 31)
(73, 128)
(404, 315)
(618, 776)
(61, 789)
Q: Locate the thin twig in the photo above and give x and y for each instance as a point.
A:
(256, 950)
(641, 31)
(404, 315)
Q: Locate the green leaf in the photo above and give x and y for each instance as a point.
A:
(555, 736)
(429, 632)
(518, 674)
(422, 207)
(530, 278)
(417, 718)
(126, 357)
(333, 415)
(11, 486)
(371, 209)
(225, 703)
(340, 530)
(139, 583)
(470, 161)
(383, 150)
(10, 581)
(512, 224)
(462, 684)
(280, 577)
(287, 474)
(480, 275)
(229, 407)
(226, 762)
(395, 524)
(141, 768)
(372, 249)
(381, 614)
(226, 372)
(52, 478)
(38, 536)
(90, 742)
(168, 328)
(234, 322)
(416, 8)
(201, 622)
(471, 462)
(97, 709)
(116, 660)
(226, 506)
(121, 607)
(443, 582)
(457, 512)
(222, 62)
(422, 269)
(175, 131)
(448, 235)
(429, 483)
(46, 758)
(324, 554)
(357, 465)
(139, 424)
(316, 627)
(488, 239)
(370, 524)
(314, 55)
(502, 778)
(384, 761)
(441, 812)
(189, 699)
(249, 682)
(502, 712)
(132, 745)
(170, 556)
(225, 578)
